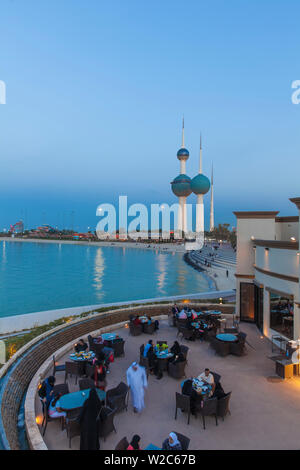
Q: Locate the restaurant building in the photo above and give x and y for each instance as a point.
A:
(267, 272)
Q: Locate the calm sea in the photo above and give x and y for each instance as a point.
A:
(44, 276)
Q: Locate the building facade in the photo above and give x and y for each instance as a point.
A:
(268, 271)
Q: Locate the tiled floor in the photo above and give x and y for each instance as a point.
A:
(264, 415)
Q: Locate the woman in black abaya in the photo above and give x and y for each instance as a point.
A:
(89, 432)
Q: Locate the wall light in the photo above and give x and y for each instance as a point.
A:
(252, 237)
(293, 239)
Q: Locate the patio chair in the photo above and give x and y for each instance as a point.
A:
(144, 362)
(90, 371)
(231, 330)
(91, 342)
(242, 337)
(184, 403)
(222, 348)
(237, 349)
(177, 370)
(184, 441)
(135, 330)
(60, 389)
(106, 421)
(122, 444)
(85, 384)
(98, 348)
(208, 408)
(149, 328)
(187, 334)
(47, 419)
(57, 367)
(118, 348)
(72, 368)
(184, 350)
(217, 377)
(223, 406)
(116, 398)
(73, 429)
(73, 414)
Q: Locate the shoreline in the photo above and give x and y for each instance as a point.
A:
(114, 244)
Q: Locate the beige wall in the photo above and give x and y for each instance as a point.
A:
(285, 230)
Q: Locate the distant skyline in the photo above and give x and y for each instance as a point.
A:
(96, 91)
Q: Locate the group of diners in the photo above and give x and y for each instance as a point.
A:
(198, 324)
(159, 351)
(143, 321)
(203, 387)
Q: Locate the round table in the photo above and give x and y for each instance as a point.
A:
(163, 358)
(108, 336)
(74, 400)
(227, 337)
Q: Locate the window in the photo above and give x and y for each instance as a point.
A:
(282, 314)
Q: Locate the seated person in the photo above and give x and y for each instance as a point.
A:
(218, 392)
(99, 375)
(135, 443)
(208, 378)
(194, 315)
(156, 323)
(80, 346)
(171, 443)
(175, 349)
(182, 315)
(147, 347)
(54, 409)
(137, 321)
(175, 310)
(187, 389)
(45, 391)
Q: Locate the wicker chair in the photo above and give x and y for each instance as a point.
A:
(85, 384)
(72, 368)
(122, 444)
(184, 403)
(135, 330)
(116, 398)
(184, 350)
(73, 429)
(209, 408)
(222, 348)
(118, 348)
(149, 328)
(177, 370)
(242, 337)
(231, 330)
(238, 348)
(47, 418)
(57, 367)
(184, 441)
(91, 343)
(223, 406)
(217, 377)
(60, 389)
(106, 421)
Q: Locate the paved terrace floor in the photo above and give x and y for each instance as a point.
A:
(264, 415)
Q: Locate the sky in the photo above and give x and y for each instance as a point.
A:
(96, 91)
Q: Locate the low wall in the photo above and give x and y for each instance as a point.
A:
(18, 373)
(30, 320)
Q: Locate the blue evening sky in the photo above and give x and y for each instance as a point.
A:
(96, 91)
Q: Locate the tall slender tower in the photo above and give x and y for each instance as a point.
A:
(212, 222)
(200, 185)
(181, 185)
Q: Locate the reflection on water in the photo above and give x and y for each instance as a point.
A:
(162, 264)
(99, 273)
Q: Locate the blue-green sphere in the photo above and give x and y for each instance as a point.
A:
(200, 184)
(183, 154)
(181, 185)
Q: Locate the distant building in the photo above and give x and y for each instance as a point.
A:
(267, 272)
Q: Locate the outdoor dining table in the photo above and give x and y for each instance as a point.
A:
(163, 358)
(227, 337)
(74, 400)
(109, 336)
(205, 388)
(144, 319)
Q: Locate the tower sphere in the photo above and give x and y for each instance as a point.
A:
(200, 184)
(181, 185)
(183, 154)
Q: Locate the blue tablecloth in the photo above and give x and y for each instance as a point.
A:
(228, 337)
(206, 388)
(163, 355)
(152, 447)
(109, 336)
(70, 401)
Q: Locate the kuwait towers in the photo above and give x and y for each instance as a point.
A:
(183, 186)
